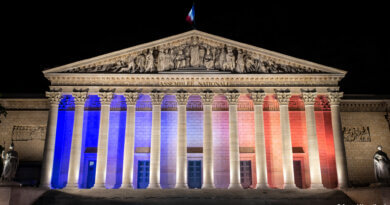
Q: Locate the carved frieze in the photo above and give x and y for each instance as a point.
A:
(27, 133)
(357, 134)
(192, 53)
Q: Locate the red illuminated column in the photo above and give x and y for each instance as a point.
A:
(48, 154)
(75, 149)
(181, 154)
(155, 142)
(101, 159)
(341, 162)
(128, 155)
(261, 160)
(234, 152)
(283, 97)
(314, 155)
(208, 167)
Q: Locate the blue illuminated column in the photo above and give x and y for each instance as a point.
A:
(155, 144)
(261, 160)
(75, 149)
(234, 151)
(208, 166)
(283, 97)
(339, 148)
(48, 154)
(128, 155)
(181, 159)
(101, 161)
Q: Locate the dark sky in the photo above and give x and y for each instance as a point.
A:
(349, 37)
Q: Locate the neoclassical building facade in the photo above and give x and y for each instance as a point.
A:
(196, 110)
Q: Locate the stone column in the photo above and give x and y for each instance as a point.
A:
(181, 154)
(261, 160)
(341, 162)
(234, 145)
(208, 166)
(312, 143)
(128, 154)
(75, 149)
(283, 98)
(101, 161)
(155, 147)
(48, 154)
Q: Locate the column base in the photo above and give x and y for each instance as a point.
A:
(181, 186)
(126, 186)
(317, 186)
(235, 186)
(154, 186)
(289, 186)
(208, 186)
(45, 186)
(262, 186)
(71, 186)
(99, 186)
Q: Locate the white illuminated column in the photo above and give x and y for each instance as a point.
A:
(261, 160)
(208, 166)
(128, 155)
(101, 161)
(341, 162)
(234, 152)
(75, 149)
(312, 142)
(155, 144)
(48, 154)
(181, 155)
(283, 98)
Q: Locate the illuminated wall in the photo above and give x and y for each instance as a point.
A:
(63, 142)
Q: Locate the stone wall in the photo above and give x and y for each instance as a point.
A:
(360, 151)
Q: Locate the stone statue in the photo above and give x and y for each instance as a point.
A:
(240, 65)
(194, 51)
(180, 60)
(149, 61)
(208, 60)
(140, 62)
(382, 166)
(161, 63)
(11, 162)
(229, 64)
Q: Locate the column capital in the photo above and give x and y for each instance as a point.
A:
(131, 97)
(207, 97)
(105, 97)
(335, 97)
(79, 97)
(54, 97)
(232, 97)
(309, 97)
(258, 97)
(182, 98)
(283, 96)
(156, 97)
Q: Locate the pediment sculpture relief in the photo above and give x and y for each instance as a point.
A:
(193, 53)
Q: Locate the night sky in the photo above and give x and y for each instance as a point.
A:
(36, 37)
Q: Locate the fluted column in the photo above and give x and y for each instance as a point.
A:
(155, 147)
(312, 142)
(261, 160)
(283, 98)
(208, 166)
(101, 161)
(181, 154)
(128, 154)
(234, 146)
(341, 162)
(48, 154)
(75, 149)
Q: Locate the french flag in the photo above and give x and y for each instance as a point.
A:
(191, 15)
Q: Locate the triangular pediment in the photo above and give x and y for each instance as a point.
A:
(194, 52)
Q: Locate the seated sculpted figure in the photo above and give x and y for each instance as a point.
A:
(11, 161)
(382, 166)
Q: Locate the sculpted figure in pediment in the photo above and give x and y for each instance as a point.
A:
(221, 58)
(208, 59)
(240, 65)
(161, 61)
(149, 61)
(229, 63)
(180, 60)
(194, 51)
(140, 62)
